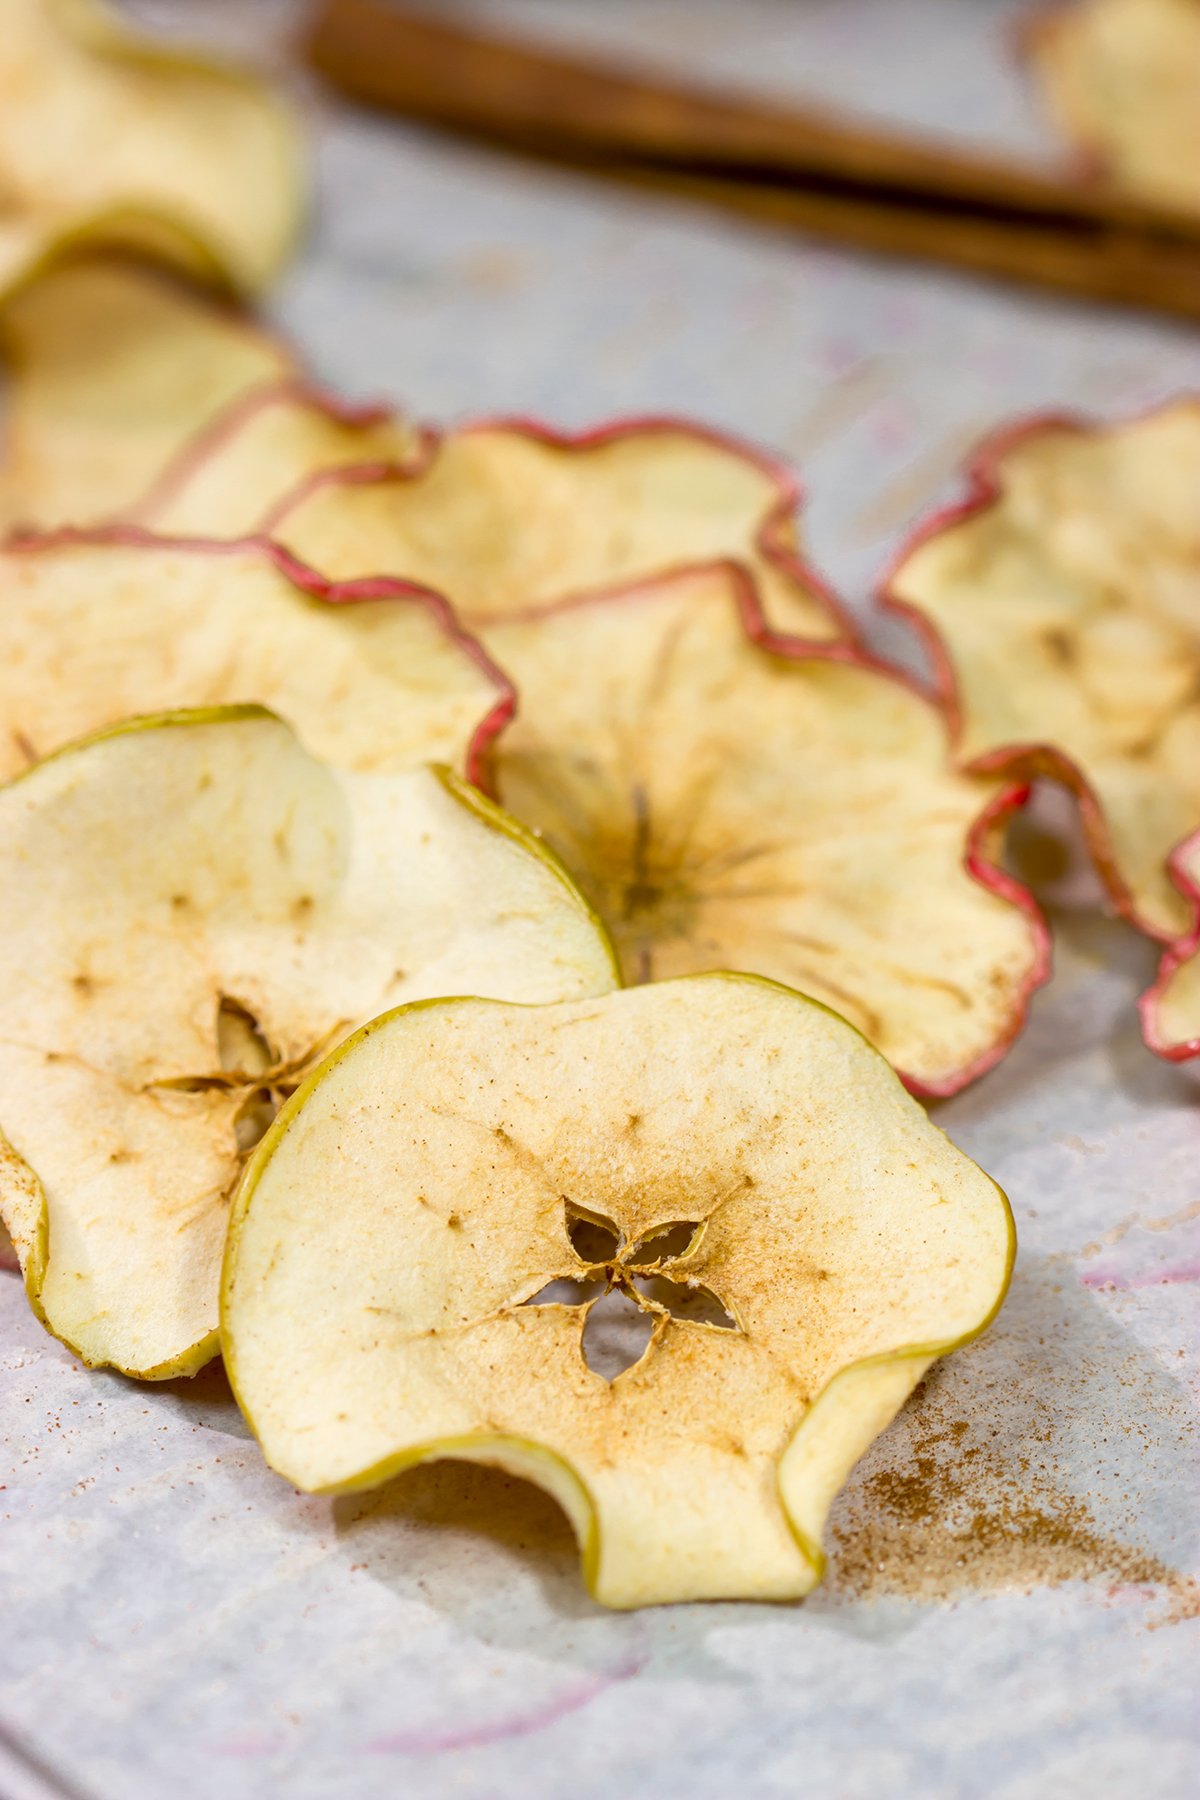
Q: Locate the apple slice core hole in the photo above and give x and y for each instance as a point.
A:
(616, 1333)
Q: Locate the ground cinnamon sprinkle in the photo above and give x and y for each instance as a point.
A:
(954, 1521)
(1017, 1466)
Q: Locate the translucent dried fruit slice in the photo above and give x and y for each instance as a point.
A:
(229, 479)
(507, 517)
(1122, 78)
(1171, 1008)
(113, 371)
(382, 1299)
(1061, 606)
(726, 800)
(194, 910)
(109, 137)
(97, 625)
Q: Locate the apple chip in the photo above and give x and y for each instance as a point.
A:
(114, 369)
(228, 479)
(97, 625)
(111, 138)
(727, 800)
(195, 910)
(508, 517)
(394, 1278)
(1171, 1008)
(1062, 605)
(1122, 80)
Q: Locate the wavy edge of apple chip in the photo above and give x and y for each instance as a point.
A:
(317, 586)
(886, 1380)
(983, 480)
(772, 535)
(1183, 865)
(150, 228)
(978, 859)
(212, 437)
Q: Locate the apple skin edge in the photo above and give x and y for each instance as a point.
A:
(212, 438)
(978, 857)
(771, 538)
(318, 587)
(1024, 762)
(1183, 859)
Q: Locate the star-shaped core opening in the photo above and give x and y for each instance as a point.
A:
(631, 1291)
(250, 1065)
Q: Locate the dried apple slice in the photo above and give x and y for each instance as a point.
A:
(1122, 79)
(112, 138)
(384, 1304)
(508, 517)
(1060, 602)
(194, 910)
(726, 800)
(97, 625)
(228, 479)
(114, 369)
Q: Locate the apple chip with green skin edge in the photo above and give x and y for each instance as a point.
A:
(727, 799)
(1062, 607)
(98, 625)
(383, 1298)
(194, 910)
(113, 370)
(229, 477)
(114, 139)
(507, 517)
(1122, 80)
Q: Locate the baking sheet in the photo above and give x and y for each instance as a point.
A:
(1010, 1610)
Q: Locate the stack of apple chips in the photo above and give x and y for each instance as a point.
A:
(461, 887)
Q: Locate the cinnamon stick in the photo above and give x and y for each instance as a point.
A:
(792, 167)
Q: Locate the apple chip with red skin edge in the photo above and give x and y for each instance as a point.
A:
(1122, 81)
(1170, 1009)
(1062, 607)
(728, 799)
(113, 369)
(194, 910)
(384, 1304)
(113, 139)
(506, 516)
(228, 478)
(8, 1256)
(97, 625)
